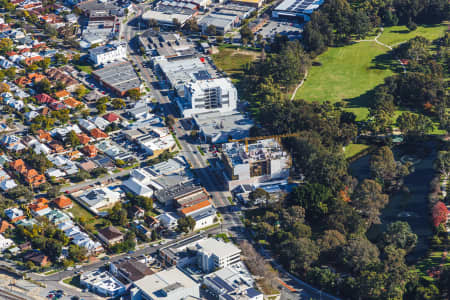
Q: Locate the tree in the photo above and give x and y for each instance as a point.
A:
(73, 139)
(186, 224)
(45, 63)
(53, 192)
(154, 235)
(313, 197)
(170, 121)
(81, 91)
(444, 281)
(416, 125)
(117, 103)
(134, 94)
(384, 167)
(259, 194)
(117, 215)
(400, 235)
(442, 163)
(246, 34)
(439, 214)
(5, 45)
(331, 240)
(191, 25)
(360, 23)
(211, 30)
(359, 253)
(299, 254)
(43, 86)
(60, 59)
(77, 253)
(53, 249)
(101, 108)
(11, 73)
(368, 198)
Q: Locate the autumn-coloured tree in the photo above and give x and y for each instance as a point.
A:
(440, 213)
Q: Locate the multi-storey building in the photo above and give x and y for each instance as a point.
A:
(201, 96)
(263, 161)
(111, 52)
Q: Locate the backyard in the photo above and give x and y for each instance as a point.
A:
(80, 212)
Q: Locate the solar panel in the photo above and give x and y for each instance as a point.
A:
(221, 283)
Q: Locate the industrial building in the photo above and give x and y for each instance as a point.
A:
(216, 127)
(168, 45)
(169, 284)
(232, 283)
(102, 283)
(213, 95)
(209, 254)
(297, 10)
(118, 77)
(222, 23)
(252, 3)
(175, 73)
(166, 12)
(264, 161)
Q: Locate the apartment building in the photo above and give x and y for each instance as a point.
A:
(218, 95)
(111, 52)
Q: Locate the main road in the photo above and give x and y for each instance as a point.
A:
(231, 220)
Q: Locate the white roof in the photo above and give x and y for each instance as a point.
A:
(137, 188)
(152, 283)
(7, 184)
(219, 248)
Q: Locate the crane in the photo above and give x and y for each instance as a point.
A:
(277, 137)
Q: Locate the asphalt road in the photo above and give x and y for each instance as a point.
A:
(231, 218)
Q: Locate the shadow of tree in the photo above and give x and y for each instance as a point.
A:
(386, 61)
(363, 100)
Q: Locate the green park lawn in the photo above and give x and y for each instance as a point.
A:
(353, 149)
(232, 61)
(397, 34)
(346, 74)
(436, 130)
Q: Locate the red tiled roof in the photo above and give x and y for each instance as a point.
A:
(111, 117)
(5, 226)
(63, 201)
(195, 207)
(44, 98)
(84, 139)
(98, 134)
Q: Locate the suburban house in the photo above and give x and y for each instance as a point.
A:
(14, 214)
(63, 202)
(100, 199)
(110, 235)
(90, 150)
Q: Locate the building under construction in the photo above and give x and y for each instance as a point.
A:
(260, 162)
